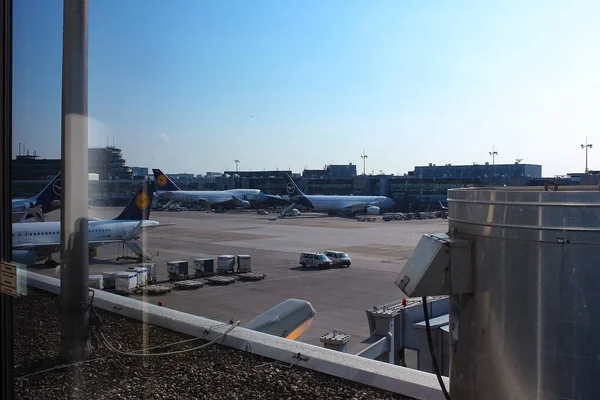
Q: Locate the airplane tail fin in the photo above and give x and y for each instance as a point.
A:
(163, 182)
(50, 194)
(291, 188)
(139, 207)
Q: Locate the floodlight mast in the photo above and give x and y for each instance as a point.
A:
(586, 146)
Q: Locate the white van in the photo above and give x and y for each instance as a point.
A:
(318, 260)
(338, 258)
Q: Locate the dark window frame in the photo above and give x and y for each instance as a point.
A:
(6, 302)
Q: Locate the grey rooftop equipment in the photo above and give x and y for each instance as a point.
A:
(523, 317)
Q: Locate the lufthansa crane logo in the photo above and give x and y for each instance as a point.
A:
(161, 180)
(290, 187)
(56, 187)
(142, 201)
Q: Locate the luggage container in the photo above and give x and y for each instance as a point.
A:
(96, 282)
(244, 263)
(109, 279)
(177, 269)
(204, 266)
(151, 267)
(125, 282)
(225, 264)
(142, 274)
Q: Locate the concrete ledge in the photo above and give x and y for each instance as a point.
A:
(405, 381)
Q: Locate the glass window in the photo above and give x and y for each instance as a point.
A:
(138, 115)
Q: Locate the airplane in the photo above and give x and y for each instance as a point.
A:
(335, 204)
(231, 198)
(35, 241)
(44, 202)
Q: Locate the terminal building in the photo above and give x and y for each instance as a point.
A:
(32, 168)
(30, 173)
(498, 173)
(421, 189)
(139, 172)
(108, 163)
(333, 171)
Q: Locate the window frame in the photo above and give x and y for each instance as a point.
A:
(6, 302)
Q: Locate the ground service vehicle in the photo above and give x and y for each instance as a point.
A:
(338, 258)
(318, 260)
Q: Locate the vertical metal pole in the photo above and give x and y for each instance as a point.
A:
(6, 302)
(74, 345)
(586, 154)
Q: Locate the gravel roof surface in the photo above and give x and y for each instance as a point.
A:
(215, 372)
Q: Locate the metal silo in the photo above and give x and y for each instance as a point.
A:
(522, 268)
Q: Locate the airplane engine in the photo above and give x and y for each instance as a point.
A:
(241, 203)
(373, 210)
(26, 257)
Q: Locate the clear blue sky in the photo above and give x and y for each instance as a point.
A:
(175, 83)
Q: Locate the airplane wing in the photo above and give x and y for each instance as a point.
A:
(145, 226)
(272, 199)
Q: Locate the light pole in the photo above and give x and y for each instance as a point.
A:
(493, 153)
(237, 162)
(364, 158)
(586, 146)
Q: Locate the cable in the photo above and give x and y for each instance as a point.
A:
(96, 325)
(176, 343)
(57, 367)
(430, 342)
(107, 343)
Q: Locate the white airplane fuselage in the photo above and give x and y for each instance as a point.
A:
(48, 233)
(20, 205)
(211, 197)
(341, 203)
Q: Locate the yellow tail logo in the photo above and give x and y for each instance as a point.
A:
(161, 180)
(142, 201)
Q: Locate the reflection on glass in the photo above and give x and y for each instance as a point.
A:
(241, 130)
